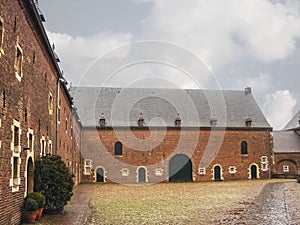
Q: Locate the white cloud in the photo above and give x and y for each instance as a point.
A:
(261, 83)
(278, 108)
(225, 31)
(77, 53)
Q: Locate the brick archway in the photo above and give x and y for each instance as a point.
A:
(180, 169)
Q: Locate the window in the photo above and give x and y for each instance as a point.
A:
(286, 169)
(30, 139)
(244, 148)
(49, 147)
(43, 149)
(50, 104)
(118, 149)
(1, 36)
(58, 114)
(16, 134)
(264, 163)
(18, 62)
(125, 172)
(201, 170)
(232, 169)
(158, 172)
(66, 125)
(87, 167)
(15, 180)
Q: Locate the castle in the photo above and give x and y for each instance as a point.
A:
(122, 135)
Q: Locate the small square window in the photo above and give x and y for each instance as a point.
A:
(158, 172)
(286, 169)
(264, 159)
(232, 169)
(125, 172)
(201, 170)
(87, 163)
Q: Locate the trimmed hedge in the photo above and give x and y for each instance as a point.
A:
(53, 179)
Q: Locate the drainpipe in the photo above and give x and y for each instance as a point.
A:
(63, 81)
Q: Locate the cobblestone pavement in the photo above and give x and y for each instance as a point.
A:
(75, 212)
(276, 204)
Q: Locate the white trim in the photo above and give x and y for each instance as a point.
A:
(125, 172)
(87, 169)
(159, 172)
(43, 151)
(104, 173)
(18, 75)
(50, 146)
(232, 169)
(137, 174)
(30, 132)
(202, 170)
(249, 170)
(213, 171)
(285, 168)
(16, 148)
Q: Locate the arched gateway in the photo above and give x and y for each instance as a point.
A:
(180, 169)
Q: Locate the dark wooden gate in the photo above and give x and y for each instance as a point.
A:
(180, 169)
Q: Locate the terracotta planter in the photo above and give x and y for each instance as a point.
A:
(39, 214)
(31, 216)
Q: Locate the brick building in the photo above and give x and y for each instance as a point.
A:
(287, 149)
(155, 135)
(31, 90)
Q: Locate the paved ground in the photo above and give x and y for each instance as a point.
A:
(276, 204)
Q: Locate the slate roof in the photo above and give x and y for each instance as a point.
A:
(294, 123)
(286, 142)
(160, 107)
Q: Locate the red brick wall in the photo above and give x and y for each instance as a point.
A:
(99, 147)
(287, 159)
(26, 101)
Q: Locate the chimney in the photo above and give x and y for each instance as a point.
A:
(141, 120)
(178, 121)
(102, 120)
(247, 90)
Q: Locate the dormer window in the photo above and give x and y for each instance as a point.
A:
(178, 121)
(248, 122)
(141, 120)
(102, 120)
(213, 121)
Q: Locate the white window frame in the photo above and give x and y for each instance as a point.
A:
(18, 65)
(125, 172)
(43, 146)
(202, 170)
(232, 169)
(50, 146)
(13, 147)
(285, 168)
(159, 172)
(264, 163)
(87, 166)
(30, 132)
(1, 37)
(50, 103)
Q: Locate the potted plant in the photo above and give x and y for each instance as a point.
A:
(31, 209)
(41, 200)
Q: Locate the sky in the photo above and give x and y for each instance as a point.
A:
(206, 44)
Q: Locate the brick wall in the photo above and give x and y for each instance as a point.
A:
(98, 146)
(292, 160)
(26, 99)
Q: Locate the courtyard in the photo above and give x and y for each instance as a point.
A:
(229, 202)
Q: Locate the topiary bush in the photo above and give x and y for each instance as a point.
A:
(30, 204)
(53, 179)
(38, 197)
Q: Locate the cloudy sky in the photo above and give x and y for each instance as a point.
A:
(162, 43)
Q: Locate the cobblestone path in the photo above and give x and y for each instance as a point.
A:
(268, 208)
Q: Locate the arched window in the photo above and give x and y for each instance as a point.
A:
(244, 148)
(118, 149)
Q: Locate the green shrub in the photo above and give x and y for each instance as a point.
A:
(54, 180)
(30, 204)
(39, 198)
